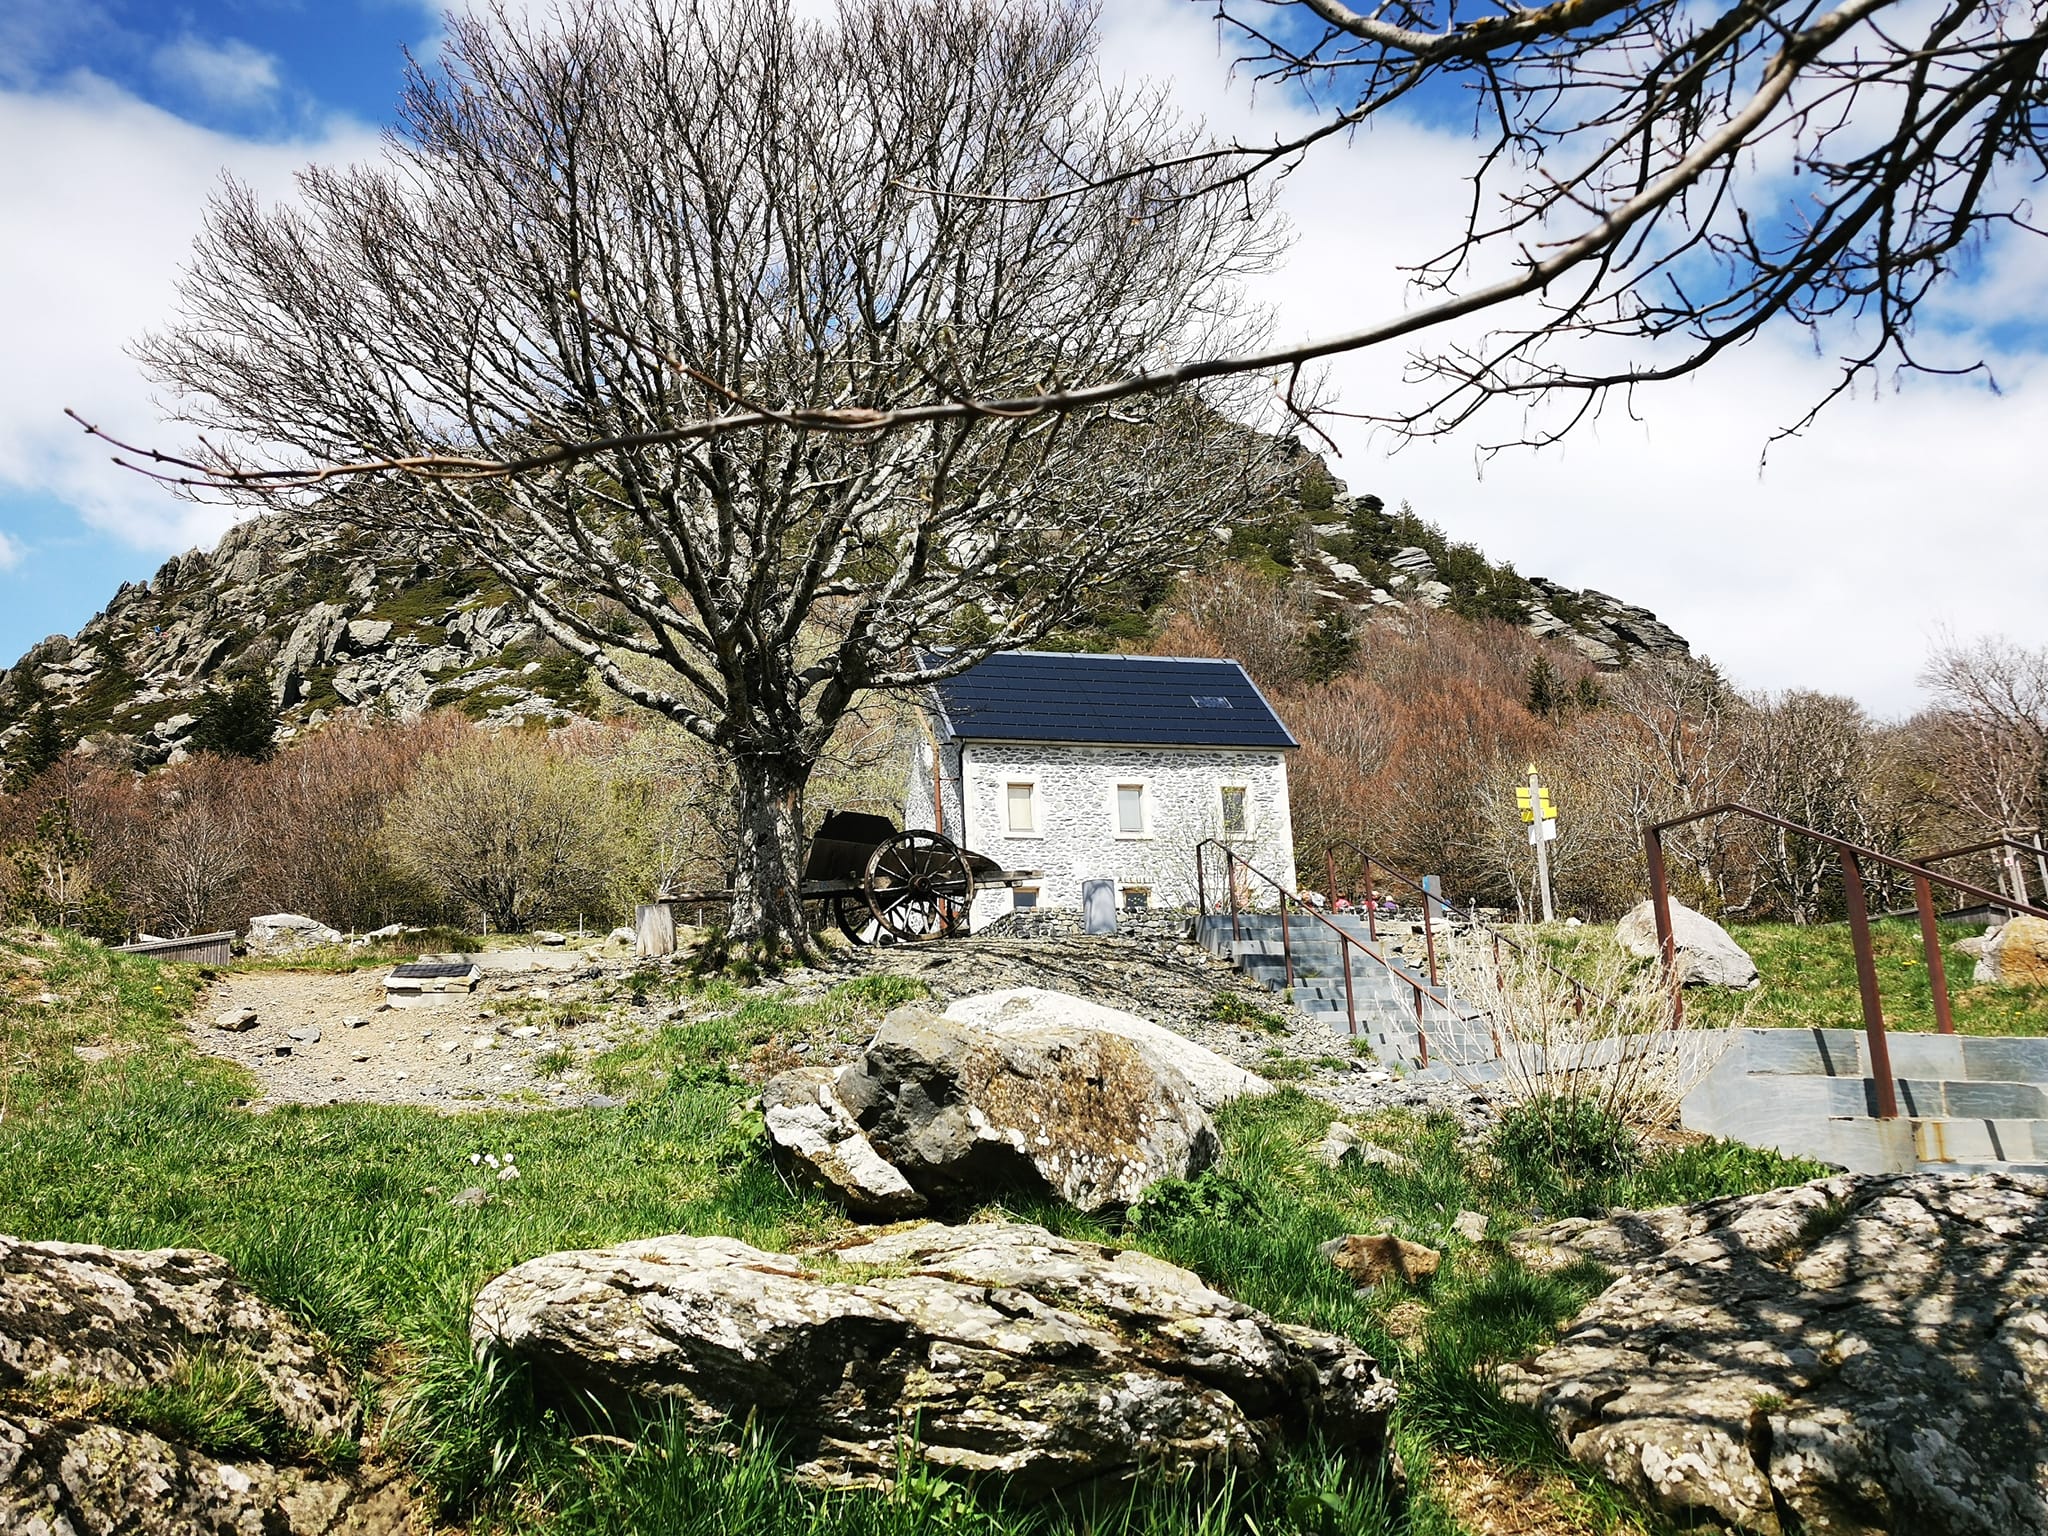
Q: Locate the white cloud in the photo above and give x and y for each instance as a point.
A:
(1831, 568)
(101, 217)
(11, 552)
(227, 75)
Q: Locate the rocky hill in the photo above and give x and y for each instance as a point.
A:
(334, 617)
(327, 617)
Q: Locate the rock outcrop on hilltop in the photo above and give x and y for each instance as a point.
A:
(328, 616)
(331, 616)
(1864, 1354)
(991, 1351)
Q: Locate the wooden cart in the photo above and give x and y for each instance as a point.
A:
(885, 886)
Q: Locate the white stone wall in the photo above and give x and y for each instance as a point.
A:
(1078, 837)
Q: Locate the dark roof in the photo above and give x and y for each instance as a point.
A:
(1113, 700)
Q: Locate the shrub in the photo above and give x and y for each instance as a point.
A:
(1563, 1152)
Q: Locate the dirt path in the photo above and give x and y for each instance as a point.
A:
(329, 1039)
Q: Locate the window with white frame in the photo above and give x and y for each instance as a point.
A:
(1133, 809)
(1020, 808)
(1236, 817)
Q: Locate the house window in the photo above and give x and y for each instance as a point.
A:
(1020, 808)
(1023, 898)
(1137, 898)
(1236, 809)
(1132, 813)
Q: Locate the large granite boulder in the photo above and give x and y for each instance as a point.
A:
(284, 933)
(1707, 956)
(2013, 955)
(84, 1329)
(961, 1113)
(1864, 1354)
(1215, 1079)
(986, 1350)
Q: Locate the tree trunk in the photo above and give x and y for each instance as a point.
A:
(767, 912)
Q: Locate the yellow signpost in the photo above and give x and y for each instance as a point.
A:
(1540, 816)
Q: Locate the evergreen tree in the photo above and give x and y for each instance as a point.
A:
(237, 723)
(43, 742)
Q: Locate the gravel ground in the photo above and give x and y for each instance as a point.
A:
(518, 1040)
(488, 1049)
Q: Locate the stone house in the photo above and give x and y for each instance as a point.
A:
(1089, 767)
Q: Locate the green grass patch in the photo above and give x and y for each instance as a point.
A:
(342, 1215)
(1807, 980)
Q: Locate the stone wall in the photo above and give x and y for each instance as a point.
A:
(1078, 840)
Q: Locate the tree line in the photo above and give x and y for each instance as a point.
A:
(1413, 747)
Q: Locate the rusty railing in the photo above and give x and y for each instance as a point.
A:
(1853, 857)
(1376, 870)
(1233, 863)
(2015, 869)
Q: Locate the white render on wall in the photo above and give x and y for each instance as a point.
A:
(1078, 838)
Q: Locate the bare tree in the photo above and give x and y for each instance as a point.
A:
(1654, 184)
(655, 214)
(1808, 757)
(1989, 731)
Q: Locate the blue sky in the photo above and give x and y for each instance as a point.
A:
(1903, 514)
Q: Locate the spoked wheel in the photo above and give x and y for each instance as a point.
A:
(919, 886)
(855, 919)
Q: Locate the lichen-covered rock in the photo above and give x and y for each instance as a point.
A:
(988, 1349)
(1863, 1354)
(126, 1320)
(2015, 954)
(813, 1130)
(1707, 956)
(84, 1329)
(962, 1113)
(1022, 1010)
(69, 1478)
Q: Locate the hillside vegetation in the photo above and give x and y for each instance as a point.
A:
(116, 1131)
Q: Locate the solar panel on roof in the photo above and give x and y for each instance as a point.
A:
(428, 971)
(1109, 700)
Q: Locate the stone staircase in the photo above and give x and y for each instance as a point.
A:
(1383, 987)
(1966, 1103)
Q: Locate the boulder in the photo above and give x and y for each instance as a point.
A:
(1020, 1010)
(2015, 955)
(63, 1476)
(1864, 1354)
(964, 1113)
(1369, 1260)
(282, 933)
(1707, 956)
(988, 1350)
(812, 1129)
(81, 1324)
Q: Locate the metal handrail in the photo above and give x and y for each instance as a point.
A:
(2005, 841)
(1853, 857)
(1580, 991)
(1346, 940)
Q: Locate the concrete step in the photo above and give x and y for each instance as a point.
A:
(1965, 1103)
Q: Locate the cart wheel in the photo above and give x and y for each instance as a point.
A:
(854, 918)
(919, 886)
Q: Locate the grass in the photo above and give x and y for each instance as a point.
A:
(1808, 980)
(342, 1216)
